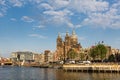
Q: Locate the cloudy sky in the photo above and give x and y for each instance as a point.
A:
(33, 25)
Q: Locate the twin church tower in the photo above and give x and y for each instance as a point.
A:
(69, 42)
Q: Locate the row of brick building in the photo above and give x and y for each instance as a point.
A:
(27, 56)
(63, 46)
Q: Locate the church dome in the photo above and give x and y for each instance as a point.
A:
(74, 36)
(67, 34)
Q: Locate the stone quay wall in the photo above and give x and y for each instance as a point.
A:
(92, 67)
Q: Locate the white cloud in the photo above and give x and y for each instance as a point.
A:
(98, 13)
(108, 19)
(1, 14)
(57, 4)
(17, 3)
(3, 8)
(87, 6)
(37, 36)
(47, 6)
(2, 2)
(27, 19)
(59, 17)
(40, 26)
(35, 1)
(116, 25)
(61, 13)
(78, 26)
(69, 24)
(13, 19)
(7, 4)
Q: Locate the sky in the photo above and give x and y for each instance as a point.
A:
(33, 25)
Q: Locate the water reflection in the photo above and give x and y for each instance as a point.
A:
(23, 73)
(86, 76)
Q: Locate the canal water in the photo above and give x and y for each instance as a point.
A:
(27, 73)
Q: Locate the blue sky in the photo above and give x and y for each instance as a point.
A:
(33, 25)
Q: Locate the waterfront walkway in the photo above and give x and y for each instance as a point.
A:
(6, 63)
(92, 67)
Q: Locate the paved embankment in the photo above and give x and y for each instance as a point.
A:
(92, 67)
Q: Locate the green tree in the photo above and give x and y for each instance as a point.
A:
(93, 53)
(81, 56)
(98, 51)
(71, 54)
(111, 58)
(101, 50)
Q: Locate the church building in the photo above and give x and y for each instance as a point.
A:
(64, 46)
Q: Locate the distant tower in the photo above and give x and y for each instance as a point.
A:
(59, 40)
(74, 39)
(67, 39)
(67, 43)
(59, 47)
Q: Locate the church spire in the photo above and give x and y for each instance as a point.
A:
(67, 34)
(73, 32)
(59, 36)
